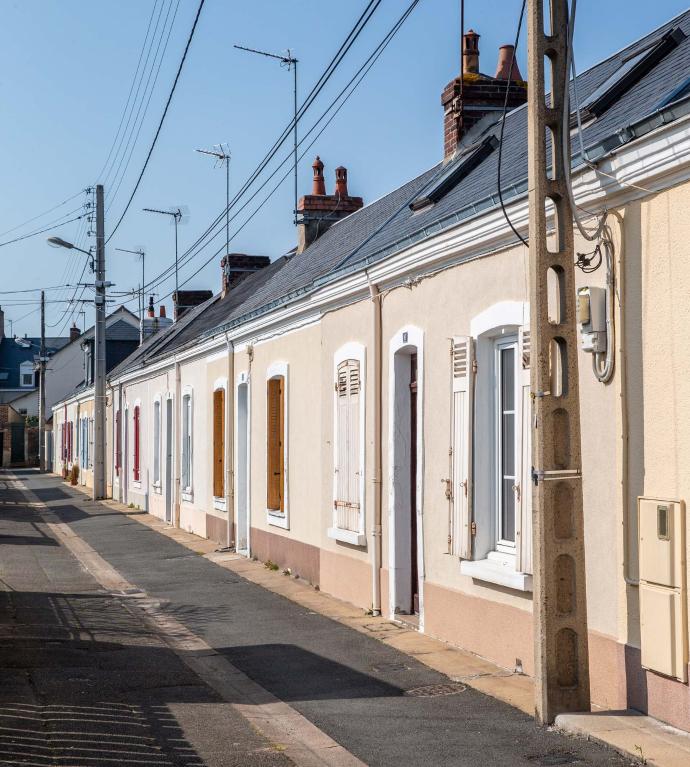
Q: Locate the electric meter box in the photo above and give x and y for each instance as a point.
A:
(591, 314)
(663, 602)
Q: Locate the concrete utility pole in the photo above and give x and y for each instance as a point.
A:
(99, 355)
(560, 607)
(42, 389)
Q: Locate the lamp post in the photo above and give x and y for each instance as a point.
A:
(99, 484)
(176, 215)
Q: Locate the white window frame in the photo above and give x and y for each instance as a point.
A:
(187, 490)
(497, 325)
(505, 546)
(157, 441)
(27, 368)
(221, 384)
(273, 517)
(350, 351)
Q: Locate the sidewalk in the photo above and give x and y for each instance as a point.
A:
(282, 653)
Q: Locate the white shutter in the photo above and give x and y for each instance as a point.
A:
(462, 410)
(347, 468)
(523, 560)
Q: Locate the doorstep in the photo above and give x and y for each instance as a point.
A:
(630, 732)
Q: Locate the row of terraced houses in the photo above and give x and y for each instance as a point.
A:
(358, 410)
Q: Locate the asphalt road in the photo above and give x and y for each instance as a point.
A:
(350, 686)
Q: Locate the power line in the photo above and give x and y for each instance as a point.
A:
(358, 77)
(40, 215)
(132, 144)
(129, 95)
(53, 225)
(162, 120)
(337, 59)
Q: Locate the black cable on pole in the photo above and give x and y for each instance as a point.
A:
(162, 120)
(503, 125)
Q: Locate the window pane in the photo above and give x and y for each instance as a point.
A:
(508, 378)
(508, 511)
(508, 446)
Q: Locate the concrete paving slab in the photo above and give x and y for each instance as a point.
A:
(630, 732)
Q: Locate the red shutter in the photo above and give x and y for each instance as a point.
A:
(118, 443)
(136, 443)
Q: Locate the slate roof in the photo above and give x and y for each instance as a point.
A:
(388, 225)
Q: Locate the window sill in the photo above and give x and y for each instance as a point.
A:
(187, 495)
(499, 569)
(220, 503)
(157, 489)
(277, 518)
(136, 483)
(347, 536)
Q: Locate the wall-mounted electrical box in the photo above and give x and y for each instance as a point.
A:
(591, 314)
(663, 602)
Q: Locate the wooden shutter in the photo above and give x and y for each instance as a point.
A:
(523, 506)
(219, 443)
(136, 444)
(274, 447)
(347, 468)
(462, 414)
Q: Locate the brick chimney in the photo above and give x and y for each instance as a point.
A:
(184, 300)
(152, 324)
(74, 332)
(466, 101)
(236, 266)
(318, 210)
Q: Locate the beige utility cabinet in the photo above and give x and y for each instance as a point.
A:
(663, 600)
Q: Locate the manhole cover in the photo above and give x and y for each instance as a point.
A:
(383, 667)
(436, 690)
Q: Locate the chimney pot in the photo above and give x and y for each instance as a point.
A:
(470, 52)
(162, 310)
(507, 67)
(74, 332)
(341, 181)
(151, 311)
(318, 186)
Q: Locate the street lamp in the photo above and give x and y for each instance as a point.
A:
(58, 242)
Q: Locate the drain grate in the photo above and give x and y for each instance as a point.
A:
(436, 690)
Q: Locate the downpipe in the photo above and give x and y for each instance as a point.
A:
(177, 419)
(378, 487)
(230, 443)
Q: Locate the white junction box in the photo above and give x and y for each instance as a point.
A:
(663, 602)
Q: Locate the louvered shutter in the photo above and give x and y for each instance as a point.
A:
(274, 447)
(347, 501)
(462, 410)
(135, 471)
(523, 521)
(218, 443)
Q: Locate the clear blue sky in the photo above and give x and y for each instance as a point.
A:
(66, 67)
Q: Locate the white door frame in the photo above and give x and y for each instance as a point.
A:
(409, 339)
